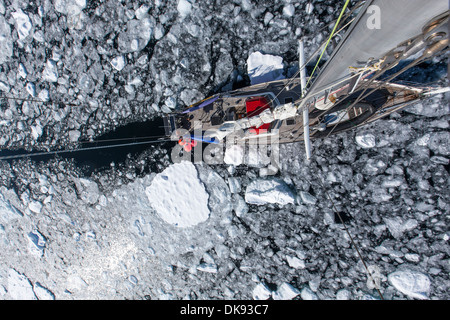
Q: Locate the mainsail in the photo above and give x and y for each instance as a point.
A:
(400, 20)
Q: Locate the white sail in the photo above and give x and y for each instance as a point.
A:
(399, 21)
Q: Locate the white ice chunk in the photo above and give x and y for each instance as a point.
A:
(285, 292)
(234, 185)
(44, 95)
(366, 141)
(269, 191)
(118, 63)
(397, 226)
(264, 67)
(50, 72)
(6, 42)
(76, 283)
(308, 294)
(411, 283)
(37, 241)
(289, 10)
(7, 211)
(171, 102)
(142, 11)
(343, 294)
(69, 6)
(4, 86)
(261, 292)
(31, 88)
(42, 293)
(74, 135)
(36, 131)
(178, 196)
(19, 287)
(88, 191)
(22, 71)
(439, 160)
(307, 198)
(35, 206)
(439, 143)
(295, 262)
(239, 205)
(137, 35)
(246, 5)
(184, 8)
(23, 24)
(267, 18)
(234, 155)
(433, 109)
(258, 156)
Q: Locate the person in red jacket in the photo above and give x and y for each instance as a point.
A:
(188, 144)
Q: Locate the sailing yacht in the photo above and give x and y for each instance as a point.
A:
(350, 90)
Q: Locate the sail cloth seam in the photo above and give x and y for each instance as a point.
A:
(328, 41)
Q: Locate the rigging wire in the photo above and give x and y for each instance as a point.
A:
(358, 251)
(295, 76)
(328, 42)
(367, 85)
(55, 152)
(36, 100)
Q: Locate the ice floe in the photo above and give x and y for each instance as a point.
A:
(178, 196)
(411, 283)
(23, 24)
(263, 191)
(264, 67)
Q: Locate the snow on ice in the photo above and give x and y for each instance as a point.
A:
(261, 292)
(234, 155)
(412, 283)
(19, 286)
(118, 63)
(23, 24)
(366, 141)
(263, 191)
(8, 211)
(178, 196)
(264, 67)
(184, 8)
(6, 42)
(285, 292)
(50, 72)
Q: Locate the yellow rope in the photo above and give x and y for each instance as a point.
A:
(375, 67)
(329, 39)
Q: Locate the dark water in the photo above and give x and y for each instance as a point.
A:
(98, 159)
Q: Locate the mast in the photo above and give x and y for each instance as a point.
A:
(301, 52)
